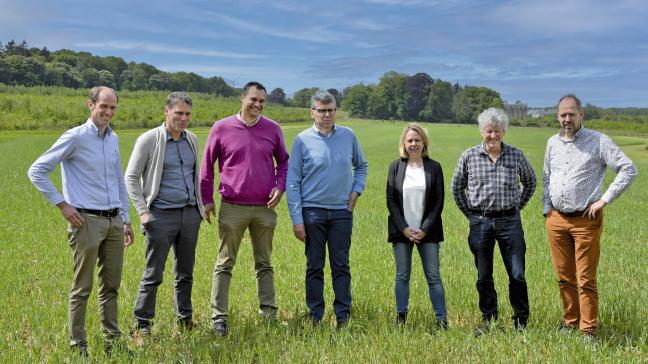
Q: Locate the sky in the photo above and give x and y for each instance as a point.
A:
(532, 51)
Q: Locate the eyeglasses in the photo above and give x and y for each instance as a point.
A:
(323, 112)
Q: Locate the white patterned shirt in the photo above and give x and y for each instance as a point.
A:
(574, 170)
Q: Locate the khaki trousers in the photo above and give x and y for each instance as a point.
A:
(100, 241)
(233, 220)
(575, 250)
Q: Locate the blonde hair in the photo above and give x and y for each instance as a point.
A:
(421, 132)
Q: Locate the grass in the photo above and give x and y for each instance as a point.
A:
(35, 263)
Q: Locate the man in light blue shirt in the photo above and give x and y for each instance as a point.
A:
(95, 204)
(326, 175)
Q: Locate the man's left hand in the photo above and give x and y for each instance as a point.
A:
(129, 238)
(275, 197)
(593, 209)
(353, 198)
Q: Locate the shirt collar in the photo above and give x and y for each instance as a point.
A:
(183, 135)
(324, 134)
(94, 130)
(240, 119)
(482, 149)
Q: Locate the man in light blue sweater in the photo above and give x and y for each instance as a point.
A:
(326, 175)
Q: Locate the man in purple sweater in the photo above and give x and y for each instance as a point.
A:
(246, 147)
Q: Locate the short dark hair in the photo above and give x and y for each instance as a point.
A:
(254, 84)
(177, 97)
(93, 95)
(573, 97)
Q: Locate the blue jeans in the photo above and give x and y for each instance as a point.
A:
(429, 253)
(334, 227)
(510, 236)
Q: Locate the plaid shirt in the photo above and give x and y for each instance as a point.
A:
(479, 184)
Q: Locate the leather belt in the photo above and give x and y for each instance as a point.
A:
(571, 214)
(502, 213)
(103, 213)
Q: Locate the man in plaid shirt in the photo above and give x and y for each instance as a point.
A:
(486, 188)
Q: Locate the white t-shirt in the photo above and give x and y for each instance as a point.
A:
(414, 196)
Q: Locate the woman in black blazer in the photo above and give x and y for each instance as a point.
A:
(415, 201)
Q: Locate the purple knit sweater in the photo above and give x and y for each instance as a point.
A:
(246, 161)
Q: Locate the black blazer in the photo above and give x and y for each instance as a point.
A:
(434, 194)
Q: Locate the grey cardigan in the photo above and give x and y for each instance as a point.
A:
(145, 166)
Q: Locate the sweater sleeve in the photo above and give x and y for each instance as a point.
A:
(212, 149)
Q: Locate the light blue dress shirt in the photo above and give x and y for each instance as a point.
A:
(90, 169)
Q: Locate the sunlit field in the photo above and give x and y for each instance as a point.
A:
(35, 266)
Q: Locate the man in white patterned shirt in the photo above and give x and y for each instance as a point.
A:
(574, 168)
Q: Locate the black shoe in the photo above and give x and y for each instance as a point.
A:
(81, 349)
(591, 337)
(114, 345)
(442, 324)
(186, 324)
(341, 324)
(220, 328)
(401, 318)
(563, 328)
(484, 328)
(519, 325)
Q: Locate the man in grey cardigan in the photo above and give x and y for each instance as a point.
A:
(162, 181)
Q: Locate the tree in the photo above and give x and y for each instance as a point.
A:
(388, 98)
(337, 95)
(90, 77)
(5, 75)
(217, 85)
(277, 96)
(302, 97)
(416, 93)
(159, 81)
(134, 80)
(25, 70)
(106, 78)
(469, 102)
(592, 112)
(356, 99)
(438, 103)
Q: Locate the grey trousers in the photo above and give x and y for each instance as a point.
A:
(171, 228)
(99, 241)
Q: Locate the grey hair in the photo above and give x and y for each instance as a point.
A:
(493, 116)
(177, 97)
(579, 106)
(93, 95)
(324, 97)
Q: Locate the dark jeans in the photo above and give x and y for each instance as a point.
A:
(171, 228)
(334, 227)
(510, 237)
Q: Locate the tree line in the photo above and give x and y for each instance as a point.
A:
(402, 97)
(32, 66)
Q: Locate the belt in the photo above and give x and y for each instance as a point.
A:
(104, 213)
(571, 214)
(502, 213)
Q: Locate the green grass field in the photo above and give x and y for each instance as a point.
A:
(35, 266)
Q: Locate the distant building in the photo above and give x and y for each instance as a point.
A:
(538, 112)
(516, 111)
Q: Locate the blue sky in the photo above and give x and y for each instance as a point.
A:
(532, 51)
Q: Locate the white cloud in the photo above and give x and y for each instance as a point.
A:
(155, 48)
